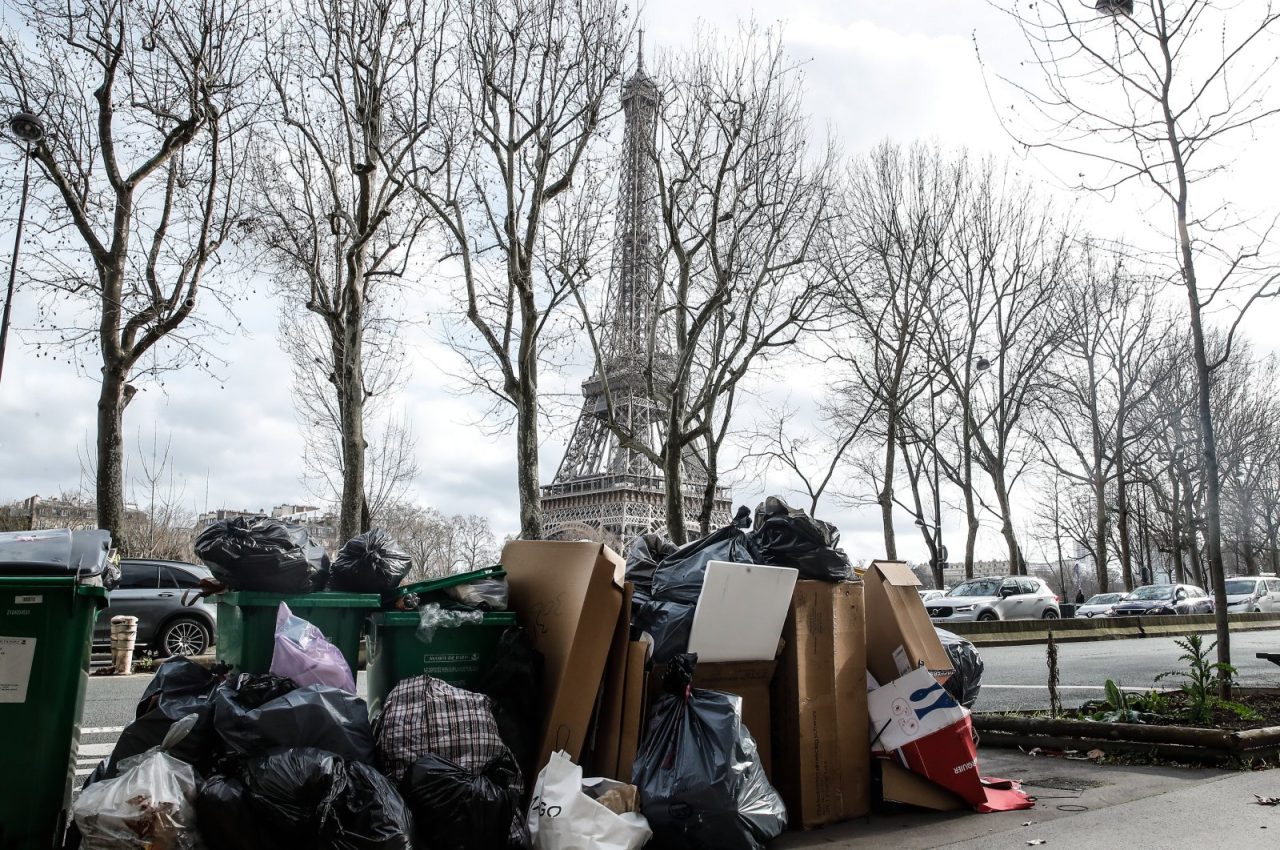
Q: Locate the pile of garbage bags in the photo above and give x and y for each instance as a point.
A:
(274, 556)
(668, 579)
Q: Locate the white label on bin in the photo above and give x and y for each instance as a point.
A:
(16, 655)
(27, 600)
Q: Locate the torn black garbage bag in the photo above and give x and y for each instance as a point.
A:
(646, 552)
(306, 797)
(679, 576)
(226, 819)
(788, 537)
(370, 563)
(669, 623)
(455, 809)
(514, 684)
(314, 716)
(263, 554)
(699, 776)
(180, 687)
(966, 681)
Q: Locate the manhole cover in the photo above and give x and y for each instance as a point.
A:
(1065, 783)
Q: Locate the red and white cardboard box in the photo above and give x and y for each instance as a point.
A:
(910, 708)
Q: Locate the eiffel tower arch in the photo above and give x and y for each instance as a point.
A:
(601, 484)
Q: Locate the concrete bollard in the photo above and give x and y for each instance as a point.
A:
(124, 633)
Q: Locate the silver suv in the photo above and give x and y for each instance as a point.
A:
(1009, 598)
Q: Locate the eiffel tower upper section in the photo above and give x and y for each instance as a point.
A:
(602, 484)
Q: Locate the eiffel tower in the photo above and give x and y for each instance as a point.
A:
(601, 485)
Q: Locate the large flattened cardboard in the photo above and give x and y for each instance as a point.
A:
(821, 754)
(567, 596)
(900, 636)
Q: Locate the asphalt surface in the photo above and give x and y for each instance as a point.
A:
(1016, 676)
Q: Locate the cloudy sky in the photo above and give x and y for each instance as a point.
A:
(875, 70)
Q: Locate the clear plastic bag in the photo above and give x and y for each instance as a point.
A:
(149, 806)
(432, 617)
(487, 594)
(302, 653)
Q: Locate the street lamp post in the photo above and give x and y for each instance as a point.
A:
(29, 129)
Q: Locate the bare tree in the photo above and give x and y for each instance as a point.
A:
(355, 83)
(147, 105)
(998, 324)
(811, 456)
(887, 261)
(161, 529)
(742, 207)
(528, 102)
(437, 544)
(1152, 94)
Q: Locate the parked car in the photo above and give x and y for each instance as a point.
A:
(1252, 594)
(926, 595)
(1009, 598)
(1163, 599)
(1099, 605)
(152, 592)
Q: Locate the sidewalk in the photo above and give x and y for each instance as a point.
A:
(1081, 805)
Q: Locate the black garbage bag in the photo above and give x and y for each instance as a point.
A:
(306, 797)
(966, 682)
(679, 576)
(700, 779)
(455, 809)
(225, 817)
(370, 814)
(646, 552)
(179, 687)
(514, 684)
(370, 563)
(669, 623)
(317, 716)
(788, 537)
(252, 690)
(263, 554)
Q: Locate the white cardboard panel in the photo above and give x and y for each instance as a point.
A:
(741, 611)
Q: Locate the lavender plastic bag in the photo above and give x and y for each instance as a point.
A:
(302, 653)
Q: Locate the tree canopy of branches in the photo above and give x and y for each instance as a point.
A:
(148, 105)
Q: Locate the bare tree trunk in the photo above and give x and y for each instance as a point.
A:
(1100, 534)
(712, 468)
(112, 398)
(1016, 565)
(673, 473)
(1175, 528)
(885, 497)
(970, 509)
(1122, 524)
(527, 457)
(351, 394)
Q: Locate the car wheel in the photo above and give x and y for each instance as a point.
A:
(183, 637)
(987, 617)
(1049, 614)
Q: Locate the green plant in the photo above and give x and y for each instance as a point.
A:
(1199, 680)
(1117, 707)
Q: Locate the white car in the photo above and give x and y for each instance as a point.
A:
(1099, 605)
(1009, 598)
(1251, 594)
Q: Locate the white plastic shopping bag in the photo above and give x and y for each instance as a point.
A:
(562, 817)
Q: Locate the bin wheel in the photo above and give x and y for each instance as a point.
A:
(183, 637)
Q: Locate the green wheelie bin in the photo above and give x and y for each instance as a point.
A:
(247, 624)
(50, 593)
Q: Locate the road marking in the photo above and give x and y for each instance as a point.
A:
(95, 750)
(101, 730)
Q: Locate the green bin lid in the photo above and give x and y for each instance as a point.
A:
(319, 599)
(435, 584)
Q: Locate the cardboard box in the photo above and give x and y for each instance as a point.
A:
(821, 753)
(908, 709)
(600, 757)
(900, 636)
(899, 785)
(569, 596)
(750, 680)
(635, 700)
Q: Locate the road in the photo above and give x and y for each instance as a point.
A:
(1015, 676)
(1014, 679)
